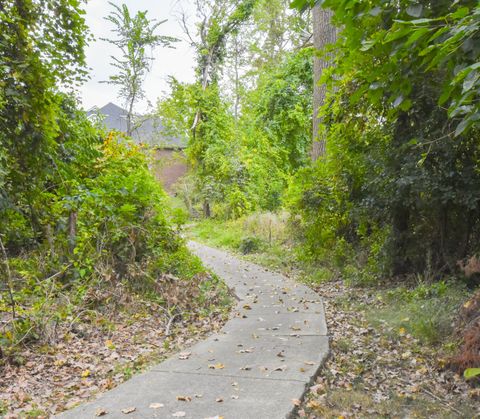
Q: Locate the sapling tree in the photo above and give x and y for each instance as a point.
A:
(219, 20)
(136, 38)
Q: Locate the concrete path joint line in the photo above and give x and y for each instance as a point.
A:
(211, 374)
(267, 354)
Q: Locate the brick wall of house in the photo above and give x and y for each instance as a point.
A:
(170, 166)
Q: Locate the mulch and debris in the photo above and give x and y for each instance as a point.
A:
(380, 372)
(94, 355)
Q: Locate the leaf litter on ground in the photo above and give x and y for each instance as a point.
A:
(90, 359)
(377, 371)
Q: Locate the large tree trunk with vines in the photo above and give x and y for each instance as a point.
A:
(324, 33)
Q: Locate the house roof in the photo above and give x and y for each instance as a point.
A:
(149, 130)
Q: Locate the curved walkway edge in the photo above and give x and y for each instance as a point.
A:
(266, 355)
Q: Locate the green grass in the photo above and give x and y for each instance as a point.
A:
(426, 311)
(256, 238)
(226, 235)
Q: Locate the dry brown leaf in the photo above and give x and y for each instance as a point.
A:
(184, 355)
(218, 366)
(313, 404)
(129, 410)
(184, 398)
(100, 412)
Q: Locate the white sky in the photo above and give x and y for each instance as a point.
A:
(178, 62)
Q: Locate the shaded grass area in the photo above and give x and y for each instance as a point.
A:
(427, 311)
(260, 238)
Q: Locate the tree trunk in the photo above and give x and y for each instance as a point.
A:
(324, 33)
(72, 231)
(400, 212)
(206, 209)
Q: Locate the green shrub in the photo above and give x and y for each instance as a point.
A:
(103, 225)
(250, 245)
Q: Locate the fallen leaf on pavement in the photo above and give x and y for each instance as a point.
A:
(156, 405)
(218, 366)
(129, 410)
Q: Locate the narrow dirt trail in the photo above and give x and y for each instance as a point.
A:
(266, 355)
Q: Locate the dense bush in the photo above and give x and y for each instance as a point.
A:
(103, 225)
(84, 226)
(398, 189)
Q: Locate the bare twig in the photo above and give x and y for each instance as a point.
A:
(169, 324)
(434, 396)
(445, 403)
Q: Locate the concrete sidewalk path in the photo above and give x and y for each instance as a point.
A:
(266, 355)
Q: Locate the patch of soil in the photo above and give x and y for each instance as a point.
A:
(379, 372)
(94, 356)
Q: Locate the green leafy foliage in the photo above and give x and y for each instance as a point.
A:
(37, 40)
(240, 166)
(81, 216)
(397, 191)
